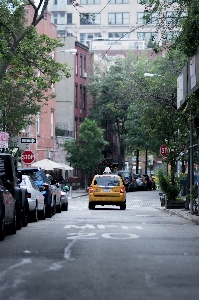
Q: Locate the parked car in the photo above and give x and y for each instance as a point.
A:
(39, 178)
(56, 187)
(141, 182)
(7, 213)
(37, 206)
(64, 198)
(107, 189)
(130, 184)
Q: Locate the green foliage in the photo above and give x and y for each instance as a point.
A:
(85, 153)
(22, 91)
(185, 19)
(169, 185)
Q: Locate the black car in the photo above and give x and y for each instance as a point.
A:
(130, 182)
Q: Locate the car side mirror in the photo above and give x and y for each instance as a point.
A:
(41, 188)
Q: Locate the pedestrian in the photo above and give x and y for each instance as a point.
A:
(196, 176)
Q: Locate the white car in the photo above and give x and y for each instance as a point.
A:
(36, 201)
(64, 198)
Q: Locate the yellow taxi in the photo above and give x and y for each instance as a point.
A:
(107, 189)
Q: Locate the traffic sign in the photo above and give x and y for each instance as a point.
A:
(163, 150)
(27, 157)
(28, 140)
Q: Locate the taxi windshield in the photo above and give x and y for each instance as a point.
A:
(107, 181)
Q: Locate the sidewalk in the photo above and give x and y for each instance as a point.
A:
(186, 214)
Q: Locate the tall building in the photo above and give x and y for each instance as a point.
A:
(93, 20)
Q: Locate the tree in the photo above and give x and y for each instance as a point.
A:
(27, 83)
(85, 153)
(177, 18)
(14, 28)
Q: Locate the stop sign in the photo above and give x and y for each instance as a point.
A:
(27, 157)
(163, 150)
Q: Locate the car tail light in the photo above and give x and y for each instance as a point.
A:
(28, 195)
(90, 190)
(122, 190)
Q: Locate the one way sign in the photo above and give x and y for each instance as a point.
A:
(28, 140)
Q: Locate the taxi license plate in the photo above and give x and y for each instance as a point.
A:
(107, 190)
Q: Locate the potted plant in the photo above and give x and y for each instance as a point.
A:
(170, 186)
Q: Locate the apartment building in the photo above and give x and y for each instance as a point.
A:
(102, 19)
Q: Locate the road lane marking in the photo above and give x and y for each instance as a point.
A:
(113, 236)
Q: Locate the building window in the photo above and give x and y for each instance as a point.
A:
(171, 18)
(84, 64)
(62, 4)
(119, 2)
(118, 18)
(80, 66)
(75, 129)
(142, 18)
(69, 2)
(116, 35)
(84, 98)
(76, 95)
(38, 123)
(90, 2)
(81, 99)
(76, 172)
(153, 36)
(52, 123)
(55, 3)
(62, 18)
(90, 19)
(76, 64)
(69, 18)
(55, 19)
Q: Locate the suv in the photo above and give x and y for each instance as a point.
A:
(107, 189)
(39, 178)
(130, 182)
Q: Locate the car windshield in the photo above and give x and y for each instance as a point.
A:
(107, 181)
(36, 176)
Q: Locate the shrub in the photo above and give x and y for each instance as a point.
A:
(169, 187)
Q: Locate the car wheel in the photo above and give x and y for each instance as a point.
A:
(25, 214)
(123, 206)
(2, 224)
(42, 213)
(33, 214)
(65, 206)
(19, 218)
(13, 226)
(58, 207)
(48, 211)
(91, 205)
(54, 208)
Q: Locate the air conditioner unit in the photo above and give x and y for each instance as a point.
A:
(85, 74)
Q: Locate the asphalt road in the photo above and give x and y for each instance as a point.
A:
(141, 253)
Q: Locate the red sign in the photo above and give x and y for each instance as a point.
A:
(163, 150)
(28, 157)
